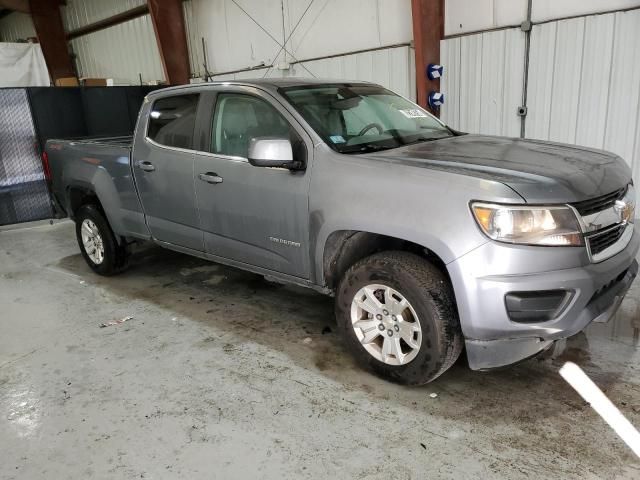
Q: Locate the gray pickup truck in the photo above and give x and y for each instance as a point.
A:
(430, 239)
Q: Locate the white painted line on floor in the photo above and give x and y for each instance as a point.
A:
(588, 390)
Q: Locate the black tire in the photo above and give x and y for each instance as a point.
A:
(115, 256)
(430, 294)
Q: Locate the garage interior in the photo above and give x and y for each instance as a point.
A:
(184, 368)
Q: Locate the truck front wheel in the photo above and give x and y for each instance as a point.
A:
(97, 242)
(398, 316)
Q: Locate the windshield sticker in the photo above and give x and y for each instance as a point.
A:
(337, 138)
(413, 113)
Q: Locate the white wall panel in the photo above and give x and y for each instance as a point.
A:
(462, 16)
(621, 132)
(393, 68)
(542, 58)
(121, 52)
(482, 82)
(16, 26)
(194, 41)
(234, 41)
(240, 34)
(594, 82)
(567, 66)
(584, 83)
(336, 26)
(450, 53)
(79, 13)
(542, 10)
(469, 84)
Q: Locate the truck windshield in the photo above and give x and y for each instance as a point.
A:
(363, 118)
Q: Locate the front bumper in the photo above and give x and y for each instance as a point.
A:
(483, 277)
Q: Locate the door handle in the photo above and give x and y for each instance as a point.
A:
(210, 177)
(146, 166)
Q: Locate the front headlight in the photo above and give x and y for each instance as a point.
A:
(627, 206)
(555, 226)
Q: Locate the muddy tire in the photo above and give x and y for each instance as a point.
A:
(97, 242)
(397, 313)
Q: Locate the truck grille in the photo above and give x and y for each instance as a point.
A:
(588, 207)
(599, 242)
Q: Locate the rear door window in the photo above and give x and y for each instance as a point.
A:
(172, 121)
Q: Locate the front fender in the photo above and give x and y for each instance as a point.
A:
(427, 207)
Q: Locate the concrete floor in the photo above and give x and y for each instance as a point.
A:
(221, 374)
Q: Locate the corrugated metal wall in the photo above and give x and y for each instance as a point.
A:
(483, 82)
(194, 40)
(240, 34)
(79, 13)
(16, 26)
(583, 84)
(465, 16)
(244, 34)
(393, 68)
(122, 52)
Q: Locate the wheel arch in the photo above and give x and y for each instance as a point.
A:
(343, 248)
(79, 195)
(82, 193)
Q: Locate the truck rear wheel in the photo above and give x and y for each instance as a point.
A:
(97, 242)
(397, 313)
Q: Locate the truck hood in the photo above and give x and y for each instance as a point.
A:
(540, 172)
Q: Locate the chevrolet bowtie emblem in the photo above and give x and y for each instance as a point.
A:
(625, 211)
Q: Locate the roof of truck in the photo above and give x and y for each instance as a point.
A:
(266, 83)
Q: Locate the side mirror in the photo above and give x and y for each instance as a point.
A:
(271, 152)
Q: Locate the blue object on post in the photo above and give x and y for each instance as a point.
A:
(436, 99)
(434, 71)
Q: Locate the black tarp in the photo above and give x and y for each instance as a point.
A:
(73, 112)
(31, 116)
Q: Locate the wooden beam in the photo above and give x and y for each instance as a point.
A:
(48, 25)
(168, 24)
(109, 22)
(428, 30)
(16, 5)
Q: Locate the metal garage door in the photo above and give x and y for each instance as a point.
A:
(24, 195)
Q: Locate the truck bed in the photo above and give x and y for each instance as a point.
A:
(121, 141)
(99, 166)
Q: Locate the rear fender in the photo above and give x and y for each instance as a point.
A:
(102, 187)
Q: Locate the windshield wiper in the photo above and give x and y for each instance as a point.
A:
(368, 147)
(373, 147)
(425, 139)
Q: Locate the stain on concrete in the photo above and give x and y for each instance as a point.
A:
(215, 374)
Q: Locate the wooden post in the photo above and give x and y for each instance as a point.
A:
(168, 24)
(428, 30)
(51, 36)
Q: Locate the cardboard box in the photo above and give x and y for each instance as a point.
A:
(67, 82)
(97, 82)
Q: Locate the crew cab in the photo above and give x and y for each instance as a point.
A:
(430, 239)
